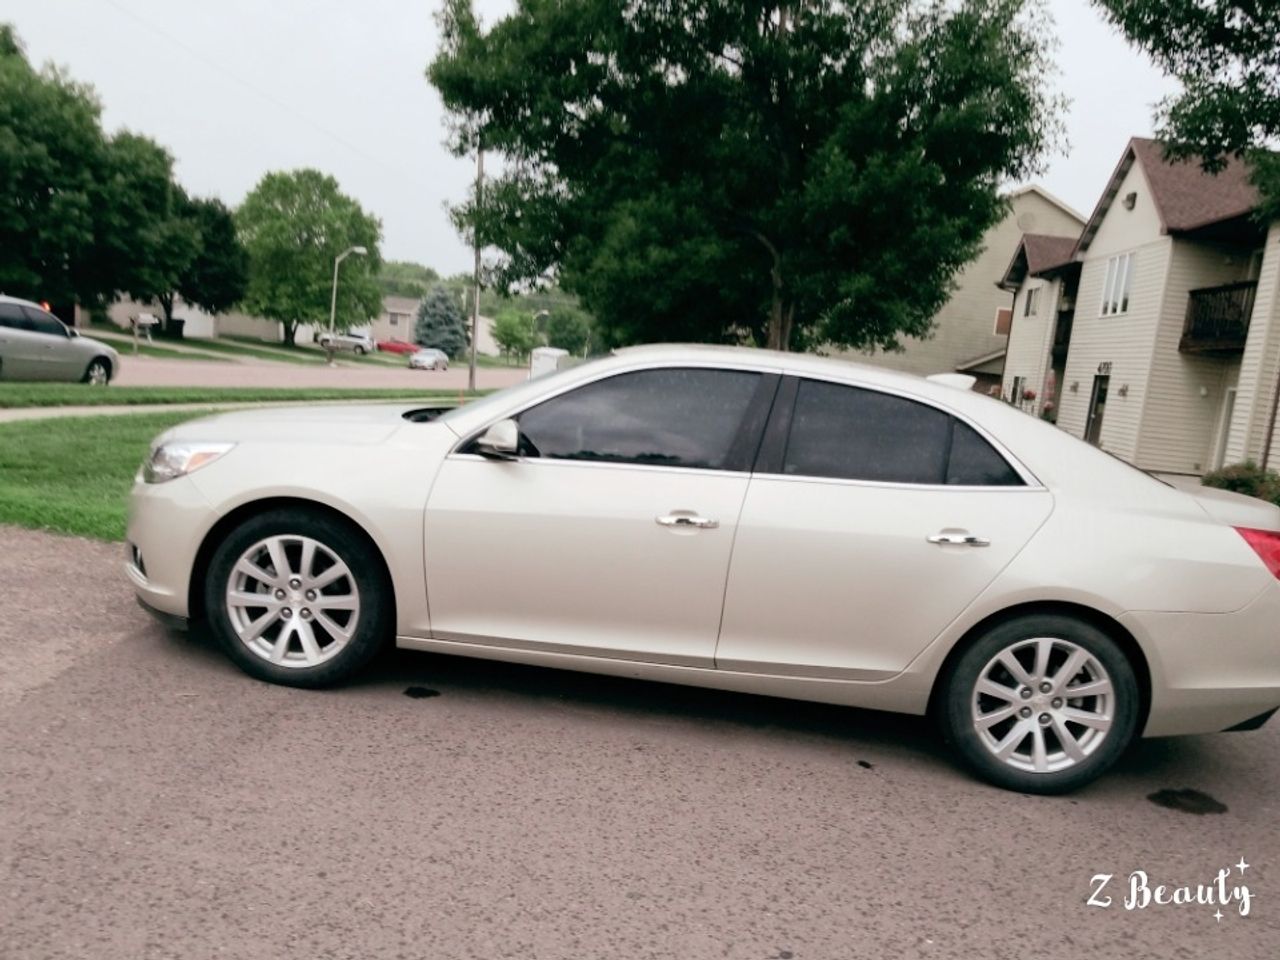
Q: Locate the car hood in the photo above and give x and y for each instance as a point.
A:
(1236, 509)
(354, 424)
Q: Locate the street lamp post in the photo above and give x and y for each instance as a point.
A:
(333, 302)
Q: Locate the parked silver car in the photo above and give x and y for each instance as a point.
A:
(36, 345)
(360, 343)
(429, 358)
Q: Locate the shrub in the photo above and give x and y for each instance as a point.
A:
(1247, 478)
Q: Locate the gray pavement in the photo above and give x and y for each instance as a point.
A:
(156, 803)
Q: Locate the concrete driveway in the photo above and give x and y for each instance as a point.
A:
(156, 803)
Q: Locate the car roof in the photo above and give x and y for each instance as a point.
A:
(5, 298)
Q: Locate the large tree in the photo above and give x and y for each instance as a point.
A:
(293, 225)
(217, 275)
(1226, 55)
(708, 169)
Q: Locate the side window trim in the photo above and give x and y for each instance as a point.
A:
(777, 436)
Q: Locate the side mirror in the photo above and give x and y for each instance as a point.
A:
(500, 441)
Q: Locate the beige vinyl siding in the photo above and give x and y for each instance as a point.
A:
(1030, 340)
(1125, 341)
(1179, 424)
(1260, 365)
(965, 326)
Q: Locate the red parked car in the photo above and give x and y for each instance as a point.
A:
(397, 346)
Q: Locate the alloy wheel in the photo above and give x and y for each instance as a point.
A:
(292, 601)
(98, 374)
(1043, 705)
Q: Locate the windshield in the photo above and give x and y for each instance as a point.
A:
(511, 396)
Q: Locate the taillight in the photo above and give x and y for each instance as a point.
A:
(1266, 544)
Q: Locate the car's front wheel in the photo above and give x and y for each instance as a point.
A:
(98, 373)
(297, 598)
(1041, 704)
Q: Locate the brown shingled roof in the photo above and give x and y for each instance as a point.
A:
(1185, 196)
(1044, 251)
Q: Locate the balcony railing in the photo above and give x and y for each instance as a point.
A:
(1218, 318)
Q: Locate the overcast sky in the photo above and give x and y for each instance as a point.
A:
(237, 88)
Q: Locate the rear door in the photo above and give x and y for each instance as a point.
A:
(18, 346)
(872, 522)
(56, 353)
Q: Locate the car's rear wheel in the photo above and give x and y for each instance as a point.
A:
(359, 350)
(1041, 704)
(297, 598)
(98, 373)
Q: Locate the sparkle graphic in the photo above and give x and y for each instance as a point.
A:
(1242, 865)
(1218, 914)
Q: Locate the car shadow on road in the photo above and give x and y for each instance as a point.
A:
(870, 735)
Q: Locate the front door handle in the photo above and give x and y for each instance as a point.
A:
(960, 539)
(687, 520)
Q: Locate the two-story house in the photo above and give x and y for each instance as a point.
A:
(970, 332)
(1157, 336)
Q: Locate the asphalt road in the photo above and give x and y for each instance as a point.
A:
(156, 803)
(249, 372)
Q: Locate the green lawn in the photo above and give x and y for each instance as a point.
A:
(72, 474)
(78, 394)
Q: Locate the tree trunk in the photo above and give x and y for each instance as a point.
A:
(781, 314)
(290, 333)
(166, 307)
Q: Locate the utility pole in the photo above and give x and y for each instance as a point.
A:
(475, 239)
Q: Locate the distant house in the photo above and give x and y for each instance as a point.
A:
(970, 332)
(400, 314)
(1157, 336)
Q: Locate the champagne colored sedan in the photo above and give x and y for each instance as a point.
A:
(762, 522)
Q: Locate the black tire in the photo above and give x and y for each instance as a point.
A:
(373, 625)
(98, 371)
(359, 351)
(956, 704)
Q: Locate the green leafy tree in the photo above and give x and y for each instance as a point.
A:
(1226, 56)
(217, 275)
(293, 225)
(569, 330)
(440, 323)
(402, 278)
(514, 333)
(791, 172)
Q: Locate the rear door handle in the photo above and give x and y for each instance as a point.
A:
(687, 520)
(960, 539)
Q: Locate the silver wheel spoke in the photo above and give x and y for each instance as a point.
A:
(1097, 721)
(337, 632)
(1011, 664)
(1070, 668)
(1044, 647)
(275, 548)
(349, 602)
(997, 690)
(239, 598)
(1070, 745)
(1039, 755)
(308, 558)
(254, 630)
(310, 649)
(334, 573)
(988, 720)
(1011, 740)
(282, 642)
(1094, 688)
(248, 568)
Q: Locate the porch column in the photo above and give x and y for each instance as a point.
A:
(1260, 365)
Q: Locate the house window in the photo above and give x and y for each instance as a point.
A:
(1032, 303)
(1115, 291)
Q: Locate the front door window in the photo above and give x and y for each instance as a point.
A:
(1097, 407)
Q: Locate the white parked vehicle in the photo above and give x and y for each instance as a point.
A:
(429, 358)
(36, 345)
(764, 522)
(360, 343)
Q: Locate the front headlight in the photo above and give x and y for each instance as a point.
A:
(176, 459)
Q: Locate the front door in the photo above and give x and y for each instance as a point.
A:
(610, 535)
(879, 522)
(1097, 407)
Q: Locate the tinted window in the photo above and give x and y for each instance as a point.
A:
(975, 463)
(854, 434)
(678, 418)
(11, 315)
(42, 322)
